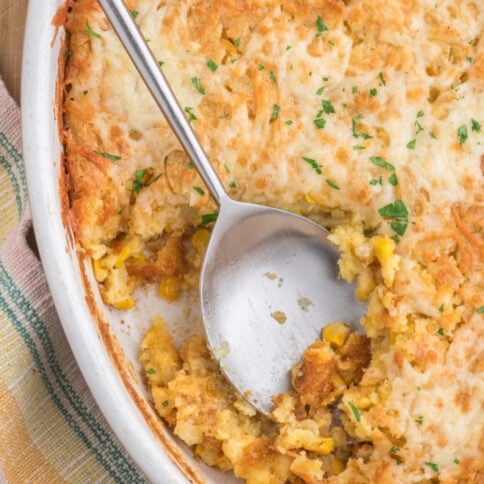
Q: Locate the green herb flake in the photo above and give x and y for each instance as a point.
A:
(199, 190)
(320, 26)
(327, 106)
(382, 79)
(411, 144)
(226, 168)
(320, 90)
(319, 122)
(232, 185)
(191, 116)
(151, 371)
(157, 177)
(190, 165)
(161, 63)
(223, 116)
(418, 127)
(273, 77)
(197, 85)
(209, 218)
(165, 403)
(475, 126)
(373, 182)
(333, 185)
(237, 43)
(462, 134)
(419, 388)
(288, 47)
(275, 111)
(419, 420)
(432, 135)
(396, 210)
(354, 128)
(260, 67)
(212, 65)
(356, 412)
(88, 31)
(289, 122)
(433, 466)
(134, 13)
(138, 180)
(394, 450)
(480, 310)
(373, 92)
(354, 89)
(359, 147)
(469, 59)
(440, 331)
(317, 168)
(420, 114)
(331, 43)
(441, 308)
(456, 461)
(109, 156)
(378, 161)
(393, 180)
(399, 227)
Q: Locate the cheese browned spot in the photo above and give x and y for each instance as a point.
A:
(366, 116)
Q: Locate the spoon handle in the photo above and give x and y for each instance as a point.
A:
(128, 32)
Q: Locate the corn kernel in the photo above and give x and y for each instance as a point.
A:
(100, 273)
(337, 381)
(384, 248)
(323, 446)
(309, 198)
(366, 284)
(200, 239)
(336, 333)
(337, 466)
(170, 288)
(130, 247)
(125, 304)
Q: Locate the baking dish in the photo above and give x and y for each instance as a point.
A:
(105, 344)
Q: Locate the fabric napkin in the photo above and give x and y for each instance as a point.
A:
(50, 427)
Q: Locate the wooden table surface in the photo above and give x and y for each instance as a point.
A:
(12, 20)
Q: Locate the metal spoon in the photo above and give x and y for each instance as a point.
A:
(269, 281)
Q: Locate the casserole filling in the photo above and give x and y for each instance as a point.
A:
(365, 117)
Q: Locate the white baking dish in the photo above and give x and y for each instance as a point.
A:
(105, 343)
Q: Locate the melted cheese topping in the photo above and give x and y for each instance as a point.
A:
(365, 116)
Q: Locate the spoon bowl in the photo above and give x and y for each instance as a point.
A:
(269, 280)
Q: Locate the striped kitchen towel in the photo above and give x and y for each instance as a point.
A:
(50, 427)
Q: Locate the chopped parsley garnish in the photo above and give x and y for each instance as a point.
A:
(260, 67)
(396, 210)
(331, 43)
(433, 466)
(212, 65)
(327, 106)
(288, 47)
(209, 218)
(191, 116)
(232, 185)
(226, 168)
(190, 165)
(197, 85)
(85, 92)
(480, 309)
(134, 13)
(432, 135)
(165, 403)
(109, 156)
(161, 63)
(356, 412)
(394, 450)
(333, 185)
(275, 111)
(462, 134)
(151, 371)
(138, 180)
(393, 180)
(399, 228)
(354, 126)
(289, 122)
(375, 181)
(359, 147)
(441, 308)
(378, 161)
(319, 122)
(419, 420)
(456, 461)
(382, 79)
(418, 127)
(320, 26)
(373, 92)
(199, 190)
(354, 89)
(440, 331)
(223, 116)
(317, 168)
(157, 177)
(237, 43)
(475, 126)
(273, 77)
(320, 90)
(420, 114)
(411, 144)
(88, 31)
